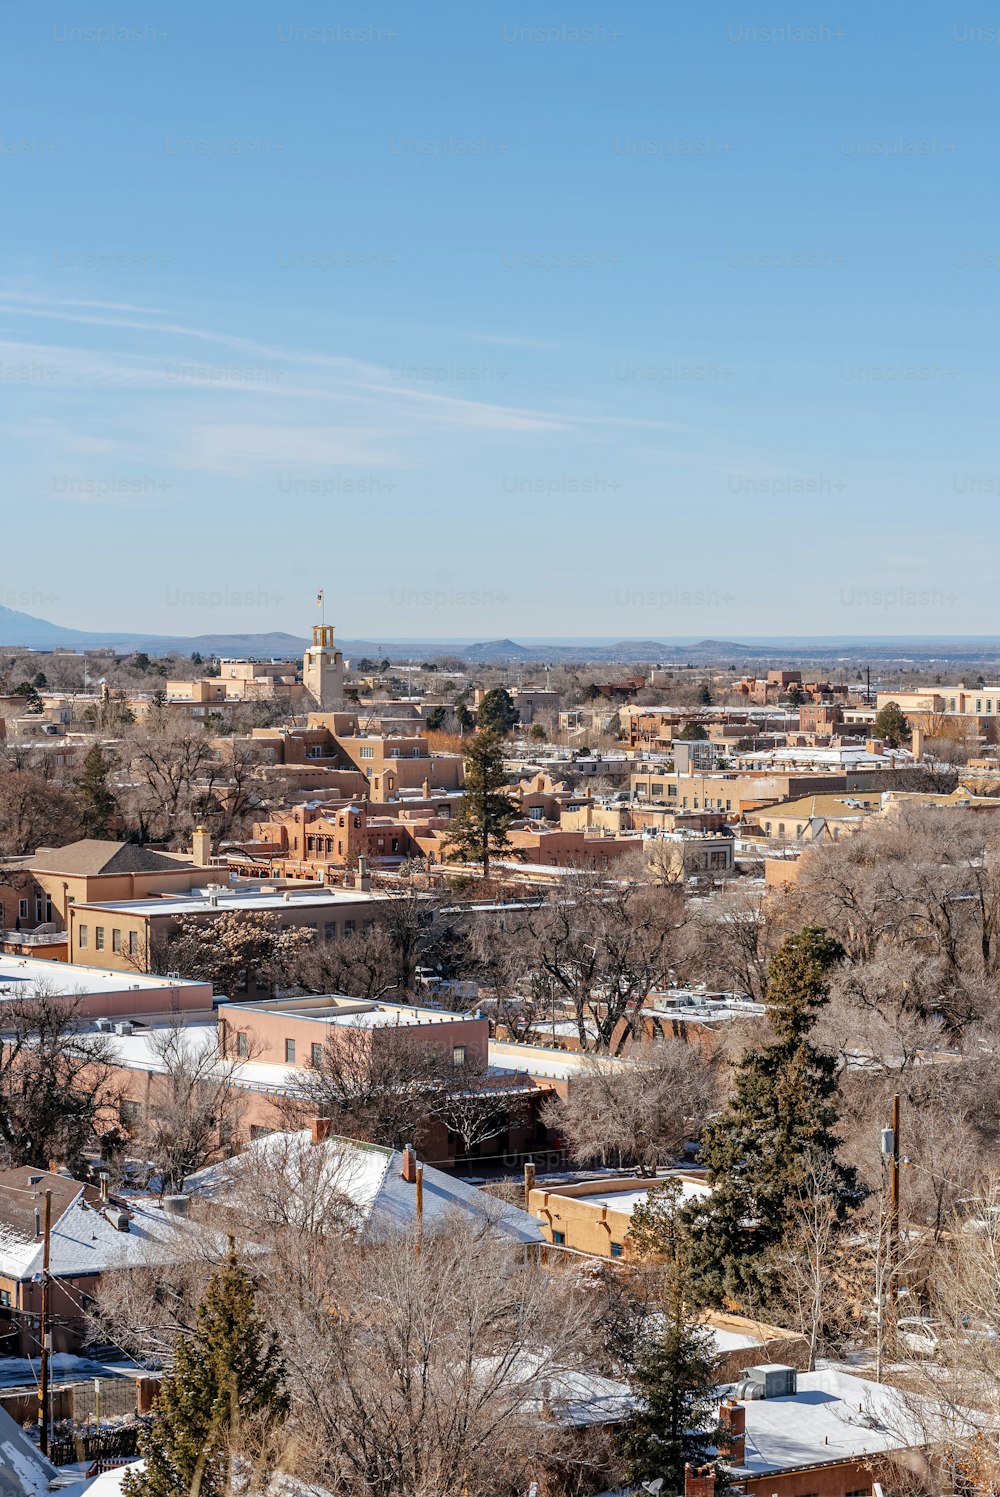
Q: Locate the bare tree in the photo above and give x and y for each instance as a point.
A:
(637, 1113)
(377, 1085)
(57, 1091)
(434, 1373)
(364, 965)
(35, 811)
(195, 1107)
(811, 1298)
(477, 1106)
(603, 947)
(729, 941)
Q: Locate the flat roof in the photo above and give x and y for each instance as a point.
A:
(835, 1416)
(538, 1060)
(351, 1013)
(198, 900)
(19, 973)
(627, 1200)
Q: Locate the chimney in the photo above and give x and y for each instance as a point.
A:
(362, 879)
(699, 1481)
(917, 743)
(201, 846)
(732, 1436)
(320, 1128)
(104, 1180)
(409, 1170)
(529, 1182)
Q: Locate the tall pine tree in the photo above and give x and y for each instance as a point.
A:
(777, 1130)
(226, 1386)
(479, 828)
(98, 806)
(675, 1368)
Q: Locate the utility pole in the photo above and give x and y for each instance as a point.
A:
(46, 1334)
(894, 1206)
(420, 1207)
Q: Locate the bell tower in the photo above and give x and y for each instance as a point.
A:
(323, 671)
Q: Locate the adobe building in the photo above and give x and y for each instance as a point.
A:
(265, 1048)
(91, 1234)
(323, 671)
(594, 1216)
(126, 935)
(95, 869)
(100, 992)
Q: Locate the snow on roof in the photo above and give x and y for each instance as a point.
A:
(538, 1060)
(368, 1178)
(200, 900)
(85, 1242)
(627, 1200)
(18, 973)
(834, 1416)
(24, 1471)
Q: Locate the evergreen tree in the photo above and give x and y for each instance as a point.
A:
(891, 725)
(227, 1382)
(496, 713)
(674, 1371)
(479, 827)
(776, 1131)
(692, 732)
(97, 801)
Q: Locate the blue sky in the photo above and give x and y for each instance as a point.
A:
(632, 321)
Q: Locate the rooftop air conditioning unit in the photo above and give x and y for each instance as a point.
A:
(125, 1026)
(103, 1024)
(769, 1380)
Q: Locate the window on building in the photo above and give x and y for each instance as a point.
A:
(616, 1250)
(5, 1299)
(458, 1055)
(133, 943)
(131, 1113)
(289, 1052)
(242, 1044)
(558, 1238)
(316, 1056)
(82, 936)
(22, 908)
(330, 930)
(99, 937)
(116, 940)
(38, 907)
(348, 927)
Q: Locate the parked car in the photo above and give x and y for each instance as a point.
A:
(918, 1335)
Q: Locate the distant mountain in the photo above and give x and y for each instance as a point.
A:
(22, 630)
